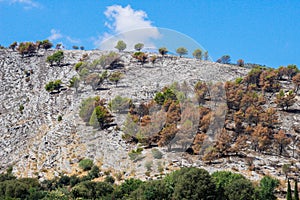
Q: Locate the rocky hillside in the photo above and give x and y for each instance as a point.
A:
(41, 133)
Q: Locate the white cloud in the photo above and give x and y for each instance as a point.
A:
(129, 25)
(28, 4)
(73, 40)
(55, 35)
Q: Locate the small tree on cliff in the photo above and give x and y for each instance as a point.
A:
(121, 45)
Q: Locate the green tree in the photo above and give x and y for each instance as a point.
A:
(181, 51)
(120, 104)
(266, 188)
(163, 51)
(296, 194)
(86, 164)
(56, 57)
(53, 85)
(81, 47)
(84, 190)
(75, 47)
(226, 180)
(151, 190)
(121, 45)
(289, 191)
(138, 46)
(126, 188)
(103, 116)
(116, 77)
(198, 54)
(194, 184)
(240, 189)
(94, 172)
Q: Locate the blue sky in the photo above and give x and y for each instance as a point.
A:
(263, 32)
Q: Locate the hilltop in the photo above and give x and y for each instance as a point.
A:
(43, 134)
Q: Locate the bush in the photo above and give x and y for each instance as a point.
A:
(87, 107)
(120, 104)
(238, 80)
(78, 65)
(157, 154)
(116, 77)
(21, 108)
(94, 173)
(149, 165)
(135, 154)
(53, 85)
(59, 118)
(140, 56)
(163, 51)
(86, 164)
(57, 57)
(26, 48)
(47, 44)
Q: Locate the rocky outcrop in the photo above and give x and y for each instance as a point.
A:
(36, 143)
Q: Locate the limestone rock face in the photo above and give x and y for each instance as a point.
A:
(35, 142)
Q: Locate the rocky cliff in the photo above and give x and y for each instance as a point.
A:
(36, 143)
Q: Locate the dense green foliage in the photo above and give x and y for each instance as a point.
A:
(186, 183)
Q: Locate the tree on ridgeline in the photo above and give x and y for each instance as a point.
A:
(198, 54)
(121, 45)
(163, 51)
(138, 46)
(181, 51)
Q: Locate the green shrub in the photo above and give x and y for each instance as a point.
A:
(87, 107)
(109, 179)
(21, 108)
(78, 65)
(135, 155)
(120, 104)
(53, 85)
(156, 154)
(149, 165)
(59, 118)
(86, 164)
(56, 57)
(94, 173)
(238, 80)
